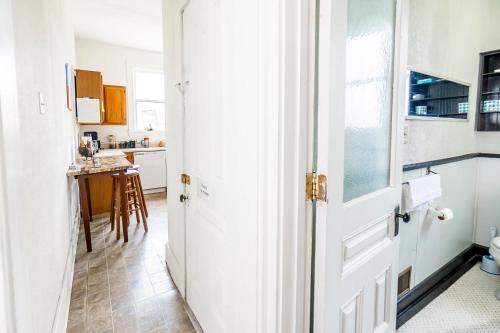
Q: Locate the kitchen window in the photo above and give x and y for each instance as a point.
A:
(149, 100)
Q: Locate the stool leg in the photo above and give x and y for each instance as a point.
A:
(141, 204)
(118, 208)
(143, 200)
(89, 201)
(113, 204)
(123, 196)
(136, 199)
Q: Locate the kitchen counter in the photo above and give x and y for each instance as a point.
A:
(132, 150)
(108, 164)
(110, 153)
(94, 185)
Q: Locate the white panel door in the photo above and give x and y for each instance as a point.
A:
(204, 212)
(359, 135)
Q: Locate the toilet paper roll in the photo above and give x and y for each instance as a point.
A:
(442, 214)
(446, 214)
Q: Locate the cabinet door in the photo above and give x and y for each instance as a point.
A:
(89, 97)
(88, 84)
(115, 112)
(130, 157)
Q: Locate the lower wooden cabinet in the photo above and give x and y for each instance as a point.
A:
(100, 193)
(115, 101)
(130, 157)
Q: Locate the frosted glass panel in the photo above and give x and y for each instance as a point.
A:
(369, 61)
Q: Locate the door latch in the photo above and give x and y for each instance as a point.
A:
(185, 179)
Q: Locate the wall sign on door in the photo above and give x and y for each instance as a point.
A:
(203, 191)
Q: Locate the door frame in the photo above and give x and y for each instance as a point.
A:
(398, 116)
(8, 142)
(284, 32)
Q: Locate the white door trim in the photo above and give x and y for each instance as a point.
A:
(8, 140)
(174, 99)
(282, 244)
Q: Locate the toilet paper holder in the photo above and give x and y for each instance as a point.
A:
(405, 217)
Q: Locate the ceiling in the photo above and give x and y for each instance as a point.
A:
(132, 23)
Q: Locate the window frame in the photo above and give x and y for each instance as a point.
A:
(133, 100)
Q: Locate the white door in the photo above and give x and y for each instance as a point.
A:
(204, 213)
(359, 139)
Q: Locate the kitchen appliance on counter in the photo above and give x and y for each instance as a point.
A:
(95, 139)
(112, 142)
(127, 144)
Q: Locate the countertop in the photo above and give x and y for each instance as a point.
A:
(110, 153)
(131, 150)
(108, 164)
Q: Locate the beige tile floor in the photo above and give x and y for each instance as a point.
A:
(124, 287)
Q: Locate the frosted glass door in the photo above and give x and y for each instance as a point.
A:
(369, 81)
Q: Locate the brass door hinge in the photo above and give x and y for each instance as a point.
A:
(185, 179)
(316, 187)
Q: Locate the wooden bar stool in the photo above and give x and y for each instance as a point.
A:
(135, 200)
(136, 167)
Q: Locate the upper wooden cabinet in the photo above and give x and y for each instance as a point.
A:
(88, 84)
(115, 111)
(89, 97)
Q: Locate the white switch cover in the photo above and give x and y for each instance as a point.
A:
(41, 102)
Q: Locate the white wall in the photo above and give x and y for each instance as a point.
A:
(446, 37)
(488, 201)
(41, 201)
(115, 63)
(426, 243)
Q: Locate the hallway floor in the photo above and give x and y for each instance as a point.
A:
(124, 287)
(468, 306)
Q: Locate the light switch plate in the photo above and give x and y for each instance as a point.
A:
(41, 102)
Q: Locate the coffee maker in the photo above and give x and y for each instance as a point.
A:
(95, 139)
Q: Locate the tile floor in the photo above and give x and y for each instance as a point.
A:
(468, 306)
(124, 287)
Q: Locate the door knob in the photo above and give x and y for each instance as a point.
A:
(183, 197)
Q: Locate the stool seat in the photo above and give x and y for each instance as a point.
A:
(128, 173)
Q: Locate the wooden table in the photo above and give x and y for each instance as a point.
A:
(83, 173)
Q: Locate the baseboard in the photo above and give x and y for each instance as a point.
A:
(426, 291)
(59, 325)
(155, 190)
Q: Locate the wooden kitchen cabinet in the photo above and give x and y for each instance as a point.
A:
(88, 84)
(130, 157)
(89, 97)
(115, 111)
